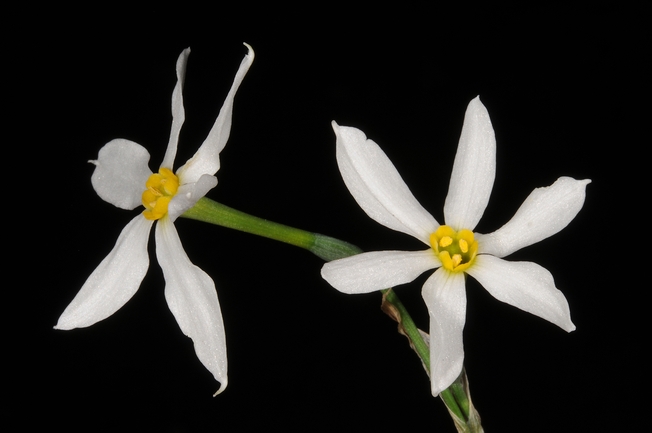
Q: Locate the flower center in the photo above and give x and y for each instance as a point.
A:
(456, 250)
(161, 187)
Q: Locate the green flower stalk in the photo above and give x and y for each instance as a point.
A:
(324, 247)
(456, 398)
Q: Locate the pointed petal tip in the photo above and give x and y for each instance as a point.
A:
(336, 128)
(349, 134)
(250, 52)
(222, 388)
(477, 104)
(64, 324)
(182, 59)
(581, 182)
(476, 101)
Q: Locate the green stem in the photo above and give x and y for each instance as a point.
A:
(324, 247)
(456, 398)
(408, 327)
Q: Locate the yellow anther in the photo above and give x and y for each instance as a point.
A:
(464, 246)
(445, 241)
(455, 249)
(161, 187)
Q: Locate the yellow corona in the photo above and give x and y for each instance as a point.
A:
(161, 187)
(455, 249)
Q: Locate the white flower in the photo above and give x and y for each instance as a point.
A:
(453, 248)
(123, 178)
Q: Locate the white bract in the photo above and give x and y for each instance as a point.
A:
(453, 248)
(123, 178)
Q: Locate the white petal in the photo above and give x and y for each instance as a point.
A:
(178, 113)
(191, 296)
(207, 158)
(474, 170)
(121, 172)
(445, 296)
(524, 285)
(377, 270)
(377, 186)
(114, 281)
(545, 212)
(189, 194)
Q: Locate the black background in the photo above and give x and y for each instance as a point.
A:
(563, 89)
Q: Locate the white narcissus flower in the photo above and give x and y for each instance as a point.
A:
(123, 178)
(453, 249)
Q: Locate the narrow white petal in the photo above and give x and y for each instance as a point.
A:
(545, 212)
(524, 285)
(114, 281)
(474, 170)
(189, 194)
(445, 296)
(377, 186)
(120, 173)
(377, 270)
(191, 296)
(207, 158)
(178, 113)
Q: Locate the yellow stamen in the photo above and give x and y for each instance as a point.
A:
(161, 187)
(445, 241)
(456, 250)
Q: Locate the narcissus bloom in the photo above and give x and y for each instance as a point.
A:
(123, 178)
(454, 248)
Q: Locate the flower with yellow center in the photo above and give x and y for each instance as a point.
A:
(453, 249)
(122, 177)
(456, 250)
(161, 188)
